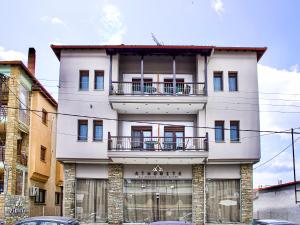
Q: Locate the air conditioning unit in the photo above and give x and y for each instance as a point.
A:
(33, 191)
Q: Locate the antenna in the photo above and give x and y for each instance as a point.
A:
(155, 40)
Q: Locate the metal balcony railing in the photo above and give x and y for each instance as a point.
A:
(128, 143)
(157, 88)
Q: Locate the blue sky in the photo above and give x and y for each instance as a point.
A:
(198, 22)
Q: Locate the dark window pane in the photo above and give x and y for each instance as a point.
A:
(82, 130)
(99, 80)
(233, 85)
(84, 80)
(218, 82)
(44, 116)
(219, 131)
(98, 130)
(43, 154)
(234, 131)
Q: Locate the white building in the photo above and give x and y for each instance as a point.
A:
(141, 150)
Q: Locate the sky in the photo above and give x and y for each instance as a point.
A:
(274, 24)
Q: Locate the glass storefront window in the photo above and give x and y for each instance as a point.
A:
(154, 200)
(91, 200)
(223, 201)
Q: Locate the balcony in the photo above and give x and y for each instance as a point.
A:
(158, 88)
(130, 97)
(143, 150)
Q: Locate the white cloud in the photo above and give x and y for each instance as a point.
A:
(295, 68)
(53, 20)
(218, 6)
(111, 28)
(11, 54)
(283, 84)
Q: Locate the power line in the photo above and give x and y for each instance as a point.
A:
(284, 149)
(155, 123)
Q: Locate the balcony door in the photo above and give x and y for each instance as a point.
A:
(168, 86)
(174, 138)
(141, 137)
(136, 86)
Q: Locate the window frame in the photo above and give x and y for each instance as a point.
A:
(37, 199)
(57, 200)
(44, 116)
(235, 75)
(236, 123)
(100, 123)
(220, 123)
(98, 73)
(44, 150)
(83, 73)
(82, 122)
(218, 74)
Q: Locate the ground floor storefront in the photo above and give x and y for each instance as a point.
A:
(117, 193)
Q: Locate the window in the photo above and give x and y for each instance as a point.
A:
(141, 137)
(218, 81)
(43, 154)
(99, 80)
(82, 130)
(223, 201)
(233, 81)
(234, 131)
(84, 80)
(57, 198)
(91, 200)
(174, 138)
(98, 130)
(44, 116)
(23, 105)
(40, 198)
(219, 131)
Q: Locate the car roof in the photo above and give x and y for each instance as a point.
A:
(171, 223)
(273, 221)
(49, 218)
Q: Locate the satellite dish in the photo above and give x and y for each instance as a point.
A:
(156, 41)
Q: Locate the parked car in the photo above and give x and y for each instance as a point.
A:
(272, 222)
(171, 223)
(47, 220)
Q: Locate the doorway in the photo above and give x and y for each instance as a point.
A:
(157, 200)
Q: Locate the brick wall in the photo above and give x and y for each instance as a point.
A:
(246, 193)
(198, 194)
(115, 194)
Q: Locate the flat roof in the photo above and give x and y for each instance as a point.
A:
(34, 79)
(159, 49)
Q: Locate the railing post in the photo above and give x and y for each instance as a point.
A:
(109, 141)
(174, 75)
(206, 141)
(142, 74)
(110, 74)
(205, 75)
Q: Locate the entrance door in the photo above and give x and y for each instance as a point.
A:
(157, 200)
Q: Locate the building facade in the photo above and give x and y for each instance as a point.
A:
(284, 195)
(152, 133)
(21, 132)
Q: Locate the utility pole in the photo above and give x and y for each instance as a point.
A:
(294, 168)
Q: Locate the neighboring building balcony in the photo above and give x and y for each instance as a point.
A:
(132, 149)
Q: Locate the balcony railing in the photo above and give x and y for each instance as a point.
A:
(157, 88)
(127, 143)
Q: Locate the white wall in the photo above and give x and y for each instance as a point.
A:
(222, 106)
(90, 103)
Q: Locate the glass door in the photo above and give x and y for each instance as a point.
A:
(141, 137)
(174, 138)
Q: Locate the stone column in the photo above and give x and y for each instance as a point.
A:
(12, 132)
(115, 194)
(69, 189)
(246, 193)
(198, 194)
